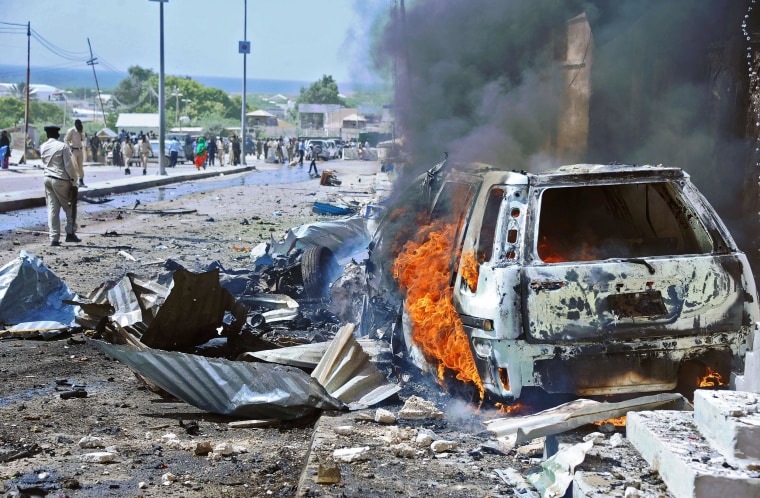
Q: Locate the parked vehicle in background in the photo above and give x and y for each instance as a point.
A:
(591, 280)
(328, 149)
(153, 156)
(186, 141)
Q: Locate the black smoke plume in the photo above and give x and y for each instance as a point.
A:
(481, 80)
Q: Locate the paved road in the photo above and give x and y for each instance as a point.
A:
(22, 184)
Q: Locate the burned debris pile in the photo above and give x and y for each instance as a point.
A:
(220, 339)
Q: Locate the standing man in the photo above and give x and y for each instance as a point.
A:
(173, 152)
(95, 147)
(301, 151)
(75, 140)
(211, 147)
(235, 150)
(221, 149)
(60, 186)
(129, 154)
(144, 148)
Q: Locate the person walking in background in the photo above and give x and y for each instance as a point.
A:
(118, 159)
(211, 151)
(5, 149)
(235, 150)
(221, 149)
(95, 147)
(200, 153)
(315, 151)
(129, 152)
(144, 153)
(75, 140)
(301, 151)
(259, 145)
(60, 186)
(173, 152)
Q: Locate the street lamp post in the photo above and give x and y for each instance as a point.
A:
(161, 96)
(185, 101)
(244, 47)
(176, 96)
(65, 105)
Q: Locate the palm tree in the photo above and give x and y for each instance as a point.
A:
(18, 90)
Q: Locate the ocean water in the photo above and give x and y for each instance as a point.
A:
(108, 80)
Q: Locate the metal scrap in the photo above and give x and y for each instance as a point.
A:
(576, 413)
(344, 378)
(32, 299)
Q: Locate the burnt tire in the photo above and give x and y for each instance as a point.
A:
(318, 269)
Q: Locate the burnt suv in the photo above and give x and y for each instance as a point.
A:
(590, 279)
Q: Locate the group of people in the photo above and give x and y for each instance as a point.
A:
(207, 151)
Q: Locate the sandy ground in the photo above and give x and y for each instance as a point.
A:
(44, 443)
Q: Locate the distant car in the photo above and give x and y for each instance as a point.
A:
(326, 149)
(187, 153)
(181, 158)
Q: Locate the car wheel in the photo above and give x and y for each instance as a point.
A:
(318, 269)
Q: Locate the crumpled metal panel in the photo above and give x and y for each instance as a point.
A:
(33, 296)
(192, 312)
(345, 237)
(237, 388)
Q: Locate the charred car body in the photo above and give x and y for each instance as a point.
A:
(591, 279)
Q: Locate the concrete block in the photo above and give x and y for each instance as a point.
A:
(750, 380)
(730, 420)
(671, 443)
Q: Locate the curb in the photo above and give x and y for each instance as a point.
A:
(33, 199)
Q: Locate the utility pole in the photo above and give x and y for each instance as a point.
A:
(28, 64)
(176, 96)
(161, 96)
(92, 62)
(244, 47)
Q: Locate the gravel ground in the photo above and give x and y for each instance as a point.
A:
(48, 440)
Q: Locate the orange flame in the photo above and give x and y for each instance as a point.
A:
(711, 379)
(422, 271)
(515, 409)
(470, 270)
(617, 422)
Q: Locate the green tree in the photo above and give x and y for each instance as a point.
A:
(45, 113)
(214, 124)
(11, 111)
(135, 93)
(323, 91)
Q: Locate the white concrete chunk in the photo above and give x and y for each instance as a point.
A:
(730, 420)
(418, 408)
(349, 455)
(670, 442)
(98, 457)
(443, 445)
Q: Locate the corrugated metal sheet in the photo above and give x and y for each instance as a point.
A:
(253, 390)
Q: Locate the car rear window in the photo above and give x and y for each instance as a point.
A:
(637, 220)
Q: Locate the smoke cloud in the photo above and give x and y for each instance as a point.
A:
(482, 80)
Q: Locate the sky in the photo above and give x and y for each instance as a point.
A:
(299, 40)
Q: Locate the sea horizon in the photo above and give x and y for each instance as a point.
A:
(109, 80)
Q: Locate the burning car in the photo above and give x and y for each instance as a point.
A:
(590, 279)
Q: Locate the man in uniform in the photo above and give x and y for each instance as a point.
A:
(75, 140)
(60, 186)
